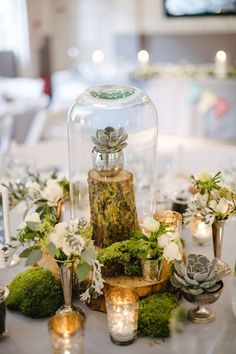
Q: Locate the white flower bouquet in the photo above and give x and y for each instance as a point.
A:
(158, 241)
(213, 201)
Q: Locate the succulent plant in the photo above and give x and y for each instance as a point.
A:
(109, 140)
(196, 274)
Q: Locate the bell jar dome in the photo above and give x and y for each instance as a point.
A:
(112, 138)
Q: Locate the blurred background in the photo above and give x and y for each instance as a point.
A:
(182, 53)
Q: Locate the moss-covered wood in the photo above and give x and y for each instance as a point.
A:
(112, 207)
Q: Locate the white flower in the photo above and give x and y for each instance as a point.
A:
(172, 252)
(33, 221)
(201, 199)
(203, 176)
(150, 224)
(213, 205)
(222, 206)
(164, 239)
(58, 235)
(53, 192)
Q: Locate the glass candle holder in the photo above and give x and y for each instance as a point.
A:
(67, 333)
(172, 218)
(122, 315)
(201, 232)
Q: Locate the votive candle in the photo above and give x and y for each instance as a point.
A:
(67, 333)
(201, 231)
(173, 220)
(122, 315)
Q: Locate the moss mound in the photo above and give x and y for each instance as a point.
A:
(155, 314)
(120, 258)
(35, 293)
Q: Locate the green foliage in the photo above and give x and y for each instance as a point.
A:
(208, 184)
(155, 313)
(148, 245)
(35, 293)
(121, 258)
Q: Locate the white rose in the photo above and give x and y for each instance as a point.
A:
(61, 229)
(222, 206)
(172, 252)
(66, 248)
(203, 176)
(53, 192)
(33, 221)
(150, 224)
(164, 239)
(58, 235)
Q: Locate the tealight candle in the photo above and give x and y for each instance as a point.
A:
(221, 64)
(122, 315)
(67, 333)
(173, 219)
(201, 231)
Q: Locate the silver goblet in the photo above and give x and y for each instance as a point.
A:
(201, 313)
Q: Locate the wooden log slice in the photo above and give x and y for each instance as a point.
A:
(112, 207)
(142, 287)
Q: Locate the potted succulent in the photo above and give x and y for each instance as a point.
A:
(200, 282)
(157, 243)
(214, 203)
(107, 153)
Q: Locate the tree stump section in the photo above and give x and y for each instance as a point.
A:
(141, 287)
(112, 207)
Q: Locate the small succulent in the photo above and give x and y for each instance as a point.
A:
(110, 140)
(196, 274)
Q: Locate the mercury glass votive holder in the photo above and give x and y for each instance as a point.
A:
(173, 219)
(67, 333)
(201, 232)
(122, 315)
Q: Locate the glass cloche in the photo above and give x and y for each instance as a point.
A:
(112, 137)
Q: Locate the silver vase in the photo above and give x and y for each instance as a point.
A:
(201, 313)
(66, 273)
(151, 269)
(217, 235)
(108, 164)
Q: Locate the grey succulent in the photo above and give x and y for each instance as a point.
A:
(196, 274)
(109, 140)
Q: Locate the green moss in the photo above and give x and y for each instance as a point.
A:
(35, 293)
(113, 211)
(121, 258)
(155, 313)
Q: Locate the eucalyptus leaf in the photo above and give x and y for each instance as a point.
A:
(26, 252)
(52, 249)
(83, 271)
(34, 257)
(88, 255)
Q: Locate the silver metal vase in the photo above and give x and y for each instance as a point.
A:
(151, 269)
(108, 164)
(217, 236)
(201, 313)
(66, 273)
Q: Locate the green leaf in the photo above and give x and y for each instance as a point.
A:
(52, 249)
(34, 257)
(83, 271)
(88, 255)
(26, 252)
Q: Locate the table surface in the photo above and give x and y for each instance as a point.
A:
(27, 336)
